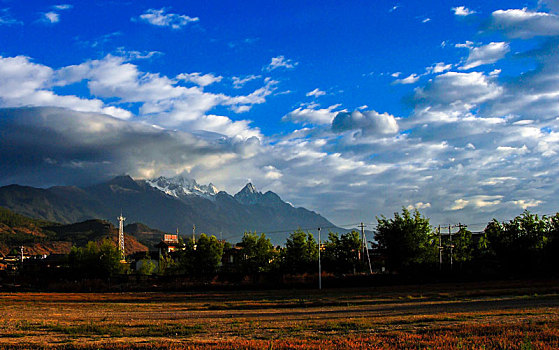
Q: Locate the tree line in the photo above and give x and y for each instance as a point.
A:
(403, 244)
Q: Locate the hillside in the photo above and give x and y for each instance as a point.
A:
(44, 237)
(144, 234)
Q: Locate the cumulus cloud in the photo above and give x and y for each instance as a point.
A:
(453, 89)
(439, 67)
(280, 62)
(199, 78)
(25, 83)
(311, 115)
(462, 11)
(522, 23)
(161, 99)
(410, 79)
(161, 18)
(486, 54)
(367, 122)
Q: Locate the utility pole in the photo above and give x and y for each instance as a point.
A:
(194, 234)
(440, 249)
(365, 248)
(319, 265)
(450, 245)
(21, 254)
(363, 242)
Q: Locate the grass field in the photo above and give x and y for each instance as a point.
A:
(505, 315)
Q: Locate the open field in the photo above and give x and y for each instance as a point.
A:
(515, 315)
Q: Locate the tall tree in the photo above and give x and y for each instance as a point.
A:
(201, 259)
(342, 253)
(258, 254)
(463, 245)
(406, 241)
(96, 260)
(300, 253)
(519, 243)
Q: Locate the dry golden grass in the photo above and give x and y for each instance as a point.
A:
(515, 315)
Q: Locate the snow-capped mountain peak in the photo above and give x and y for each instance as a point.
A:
(180, 186)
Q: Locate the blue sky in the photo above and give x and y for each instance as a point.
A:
(353, 109)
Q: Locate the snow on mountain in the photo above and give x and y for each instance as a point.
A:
(180, 187)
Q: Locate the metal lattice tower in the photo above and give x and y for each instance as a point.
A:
(121, 235)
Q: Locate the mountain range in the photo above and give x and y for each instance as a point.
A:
(167, 204)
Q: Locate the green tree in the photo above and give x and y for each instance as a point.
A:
(201, 259)
(519, 243)
(341, 253)
(147, 267)
(258, 254)
(406, 241)
(300, 253)
(463, 246)
(96, 260)
(209, 252)
(552, 246)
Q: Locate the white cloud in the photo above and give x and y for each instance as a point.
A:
(199, 79)
(495, 72)
(281, 62)
(525, 24)
(316, 93)
(497, 180)
(439, 67)
(486, 54)
(51, 17)
(411, 79)
(63, 7)
(467, 45)
(160, 18)
(162, 101)
(479, 202)
(136, 55)
(452, 87)
(367, 122)
(462, 11)
(395, 74)
(310, 115)
(425, 20)
(238, 82)
(419, 206)
(270, 172)
(525, 204)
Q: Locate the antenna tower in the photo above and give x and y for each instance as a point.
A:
(121, 235)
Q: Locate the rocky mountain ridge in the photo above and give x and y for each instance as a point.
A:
(223, 215)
